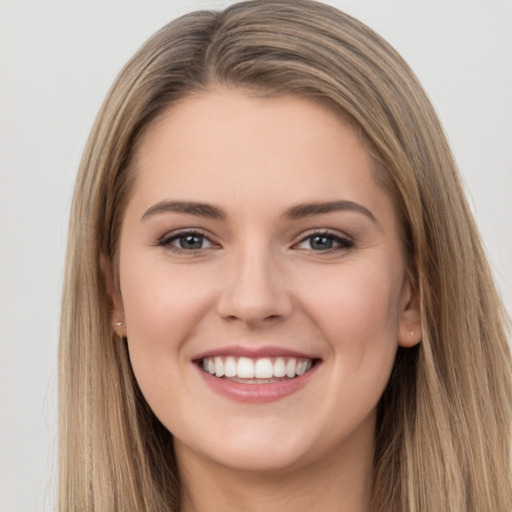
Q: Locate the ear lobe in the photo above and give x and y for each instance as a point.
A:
(114, 297)
(409, 329)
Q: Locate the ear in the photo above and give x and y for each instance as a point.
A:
(113, 297)
(409, 329)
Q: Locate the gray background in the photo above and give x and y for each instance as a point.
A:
(57, 60)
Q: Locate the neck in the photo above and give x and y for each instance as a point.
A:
(339, 484)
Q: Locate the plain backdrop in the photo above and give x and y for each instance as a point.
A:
(57, 60)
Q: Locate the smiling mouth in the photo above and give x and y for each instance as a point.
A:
(264, 370)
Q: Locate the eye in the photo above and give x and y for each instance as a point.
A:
(186, 241)
(325, 242)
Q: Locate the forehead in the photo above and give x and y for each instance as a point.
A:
(226, 145)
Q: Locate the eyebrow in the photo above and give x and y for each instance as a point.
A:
(296, 212)
(187, 207)
(310, 209)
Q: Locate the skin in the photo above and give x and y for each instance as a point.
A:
(255, 281)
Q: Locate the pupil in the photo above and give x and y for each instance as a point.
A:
(191, 242)
(321, 242)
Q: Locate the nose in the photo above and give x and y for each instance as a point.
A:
(255, 292)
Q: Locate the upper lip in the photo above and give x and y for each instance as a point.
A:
(253, 352)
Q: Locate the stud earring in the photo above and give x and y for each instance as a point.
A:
(412, 333)
(119, 324)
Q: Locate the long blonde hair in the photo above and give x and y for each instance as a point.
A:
(443, 439)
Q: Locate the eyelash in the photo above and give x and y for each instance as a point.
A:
(344, 243)
(166, 241)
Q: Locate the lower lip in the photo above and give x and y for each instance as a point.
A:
(257, 393)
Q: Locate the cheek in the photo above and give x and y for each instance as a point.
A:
(358, 299)
(357, 311)
(162, 307)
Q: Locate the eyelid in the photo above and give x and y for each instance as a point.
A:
(345, 241)
(165, 240)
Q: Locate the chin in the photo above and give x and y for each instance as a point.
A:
(266, 447)
(259, 459)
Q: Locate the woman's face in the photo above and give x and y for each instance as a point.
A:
(262, 282)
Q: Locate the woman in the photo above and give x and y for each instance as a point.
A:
(275, 292)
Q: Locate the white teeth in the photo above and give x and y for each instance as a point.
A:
(290, 368)
(219, 367)
(279, 367)
(262, 368)
(230, 367)
(245, 368)
(301, 368)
